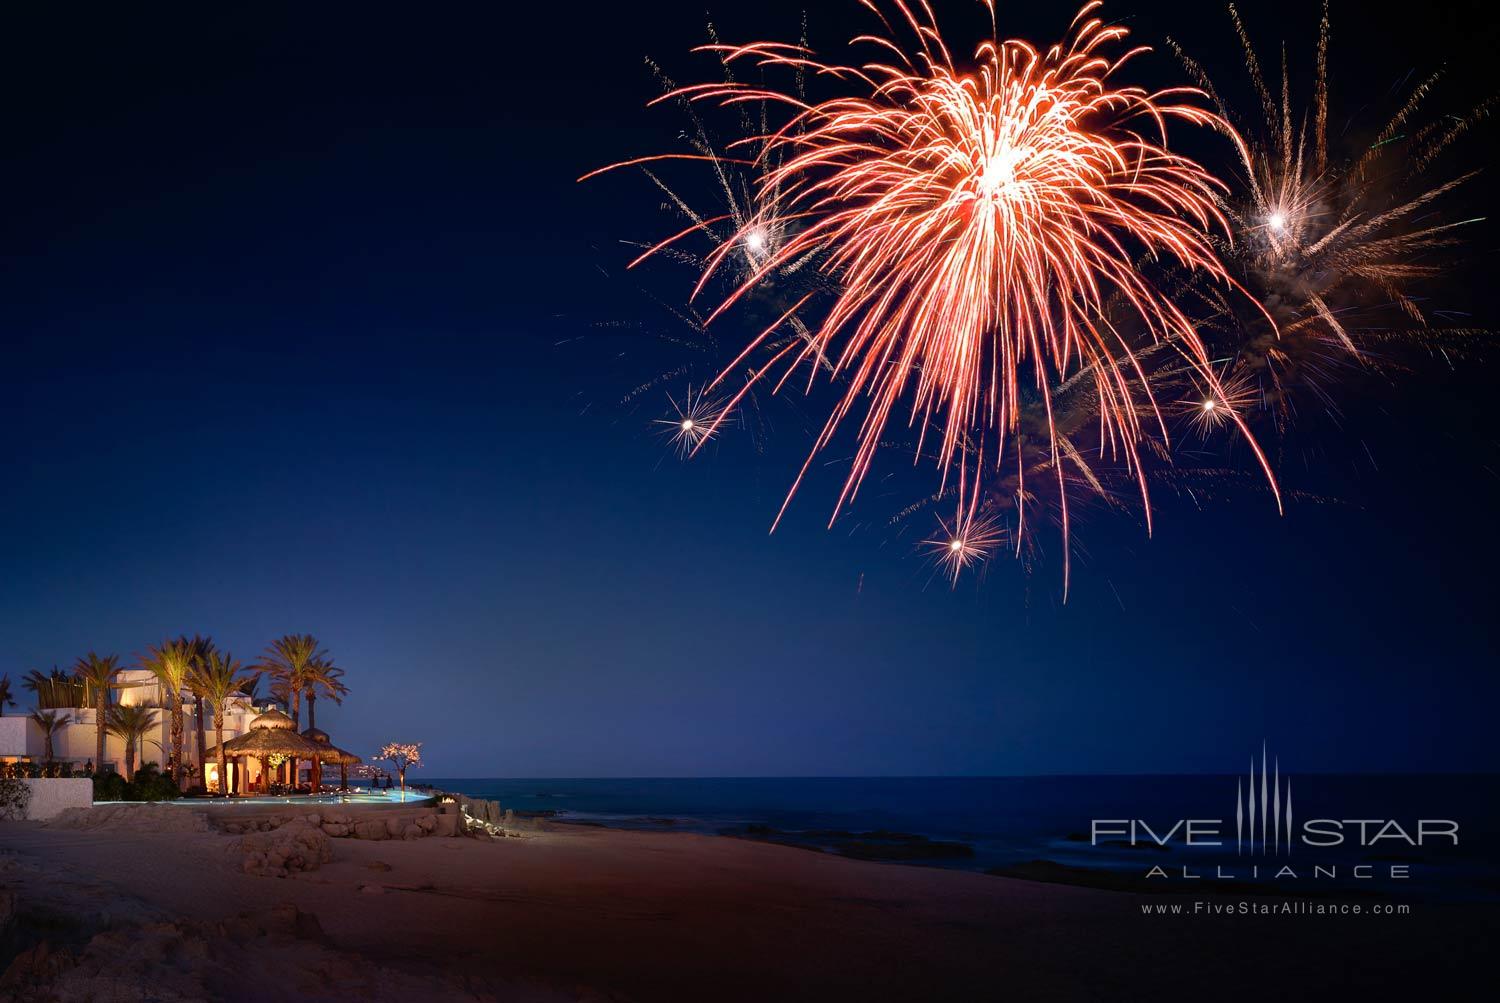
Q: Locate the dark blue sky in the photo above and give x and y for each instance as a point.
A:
(308, 328)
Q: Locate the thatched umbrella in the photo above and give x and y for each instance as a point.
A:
(329, 753)
(262, 741)
(333, 754)
(274, 718)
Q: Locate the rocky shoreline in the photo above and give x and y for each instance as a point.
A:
(874, 845)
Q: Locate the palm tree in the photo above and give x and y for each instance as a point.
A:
(51, 724)
(98, 675)
(200, 648)
(171, 662)
(5, 697)
(288, 662)
(326, 677)
(279, 697)
(250, 689)
(217, 678)
(132, 723)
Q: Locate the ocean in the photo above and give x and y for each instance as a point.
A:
(1041, 826)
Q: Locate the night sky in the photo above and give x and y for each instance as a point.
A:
(308, 328)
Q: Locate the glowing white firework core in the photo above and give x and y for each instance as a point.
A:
(756, 241)
(999, 181)
(1277, 221)
(695, 422)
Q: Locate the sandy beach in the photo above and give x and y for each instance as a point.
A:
(579, 913)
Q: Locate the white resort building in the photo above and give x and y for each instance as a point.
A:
(254, 758)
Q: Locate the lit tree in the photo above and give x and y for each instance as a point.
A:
(402, 757)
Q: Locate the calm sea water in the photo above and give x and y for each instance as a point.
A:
(1013, 820)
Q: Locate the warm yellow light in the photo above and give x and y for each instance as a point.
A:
(956, 545)
(1210, 404)
(687, 424)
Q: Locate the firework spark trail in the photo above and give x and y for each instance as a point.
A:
(1209, 409)
(738, 200)
(968, 541)
(976, 224)
(1332, 246)
(697, 420)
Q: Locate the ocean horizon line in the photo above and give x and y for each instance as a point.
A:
(960, 776)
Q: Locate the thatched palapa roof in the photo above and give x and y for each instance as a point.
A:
(268, 741)
(327, 751)
(338, 757)
(273, 718)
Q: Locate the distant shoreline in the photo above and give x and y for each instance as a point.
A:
(1033, 828)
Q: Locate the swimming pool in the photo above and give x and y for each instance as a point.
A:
(391, 797)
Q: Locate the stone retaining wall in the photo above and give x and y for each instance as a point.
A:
(53, 795)
(285, 842)
(340, 822)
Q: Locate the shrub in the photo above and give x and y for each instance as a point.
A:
(150, 784)
(15, 798)
(109, 787)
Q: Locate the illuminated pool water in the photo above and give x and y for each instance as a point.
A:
(391, 797)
